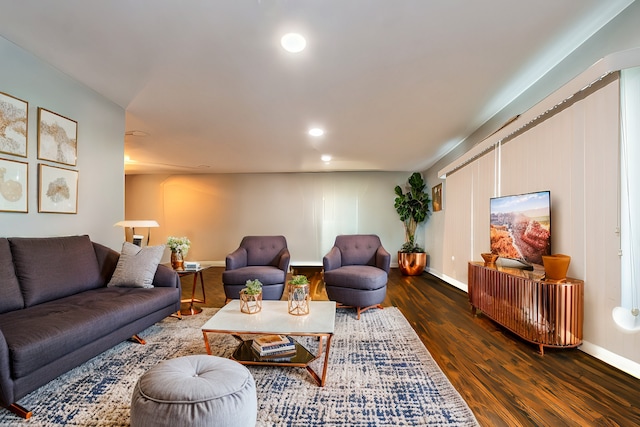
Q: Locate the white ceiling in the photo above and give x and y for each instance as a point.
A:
(395, 84)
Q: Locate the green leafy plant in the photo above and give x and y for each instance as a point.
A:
(299, 280)
(253, 287)
(413, 209)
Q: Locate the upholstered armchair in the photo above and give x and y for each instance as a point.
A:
(265, 258)
(356, 270)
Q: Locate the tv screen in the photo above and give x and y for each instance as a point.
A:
(521, 226)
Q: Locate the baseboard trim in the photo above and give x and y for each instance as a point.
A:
(450, 280)
(625, 365)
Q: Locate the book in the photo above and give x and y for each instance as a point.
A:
(284, 356)
(269, 340)
(288, 346)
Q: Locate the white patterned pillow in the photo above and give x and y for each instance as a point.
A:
(136, 266)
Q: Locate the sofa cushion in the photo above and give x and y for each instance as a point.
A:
(49, 268)
(9, 288)
(39, 335)
(363, 277)
(136, 266)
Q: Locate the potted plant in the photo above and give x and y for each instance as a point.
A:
(413, 209)
(179, 247)
(251, 297)
(299, 295)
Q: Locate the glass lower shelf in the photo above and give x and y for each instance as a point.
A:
(245, 354)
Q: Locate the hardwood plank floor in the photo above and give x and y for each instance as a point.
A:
(504, 379)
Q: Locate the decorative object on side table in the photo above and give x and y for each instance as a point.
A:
(556, 266)
(179, 247)
(413, 208)
(251, 297)
(299, 295)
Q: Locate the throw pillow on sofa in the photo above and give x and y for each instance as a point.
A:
(136, 266)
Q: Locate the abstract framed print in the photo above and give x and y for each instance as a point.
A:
(57, 138)
(13, 186)
(14, 113)
(57, 190)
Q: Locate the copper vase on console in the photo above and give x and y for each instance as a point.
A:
(412, 263)
(556, 266)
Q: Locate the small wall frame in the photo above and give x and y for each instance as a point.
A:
(14, 113)
(57, 190)
(436, 197)
(13, 186)
(57, 138)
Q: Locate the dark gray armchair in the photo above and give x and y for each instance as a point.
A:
(265, 258)
(356, 271)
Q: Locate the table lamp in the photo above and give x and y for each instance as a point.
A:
(132, 224)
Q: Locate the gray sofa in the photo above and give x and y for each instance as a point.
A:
(56, 311)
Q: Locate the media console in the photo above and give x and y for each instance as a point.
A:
(543, 312)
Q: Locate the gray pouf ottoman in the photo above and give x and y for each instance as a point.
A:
(195, 391)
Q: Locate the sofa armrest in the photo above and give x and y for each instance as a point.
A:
(383, 259)
(6, 383)
(332, 260)
(236, 259)
(284, 257)
(166, 277)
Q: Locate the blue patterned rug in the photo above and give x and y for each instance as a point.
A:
(380, 374)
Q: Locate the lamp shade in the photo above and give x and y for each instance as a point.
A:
(137, 223)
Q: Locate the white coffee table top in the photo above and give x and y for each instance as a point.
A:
(274, 319)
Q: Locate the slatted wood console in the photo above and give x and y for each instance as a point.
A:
(547, 313)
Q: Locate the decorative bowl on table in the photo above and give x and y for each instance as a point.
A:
(489, 258)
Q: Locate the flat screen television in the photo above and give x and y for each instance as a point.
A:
(521, 227)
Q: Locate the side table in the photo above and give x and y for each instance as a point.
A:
(191, 310)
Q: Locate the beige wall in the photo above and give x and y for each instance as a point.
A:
(216, 210)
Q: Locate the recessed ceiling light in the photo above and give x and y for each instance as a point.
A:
(293, 42)
(316, 132)
(326, 158)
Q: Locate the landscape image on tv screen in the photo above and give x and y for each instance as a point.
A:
(521, 226)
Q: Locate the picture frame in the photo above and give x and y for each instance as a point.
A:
(57, 189)
(14, 185)
(436, 197)
(57, 138)
(14, 126)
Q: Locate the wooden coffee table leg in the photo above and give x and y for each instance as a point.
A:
(321, 380)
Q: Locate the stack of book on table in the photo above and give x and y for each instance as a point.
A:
(274, 346)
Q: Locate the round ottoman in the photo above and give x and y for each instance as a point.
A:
(195, 391)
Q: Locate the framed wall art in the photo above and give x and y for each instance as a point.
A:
(13, 186)
(13, 125)
(57, 189)
(57, 138)
(436, 197)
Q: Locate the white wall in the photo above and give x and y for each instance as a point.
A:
(216, 210)
(100, 163)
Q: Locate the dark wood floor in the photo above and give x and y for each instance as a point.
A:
(504, 379)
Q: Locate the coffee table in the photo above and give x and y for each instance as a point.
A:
(275, 319)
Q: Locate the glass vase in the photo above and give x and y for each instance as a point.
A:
(299, 299)
(249, 303)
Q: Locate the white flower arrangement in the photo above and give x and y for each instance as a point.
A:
(179, 244)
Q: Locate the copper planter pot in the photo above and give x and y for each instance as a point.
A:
(412, 264)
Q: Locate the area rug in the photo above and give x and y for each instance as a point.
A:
(380, 374)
